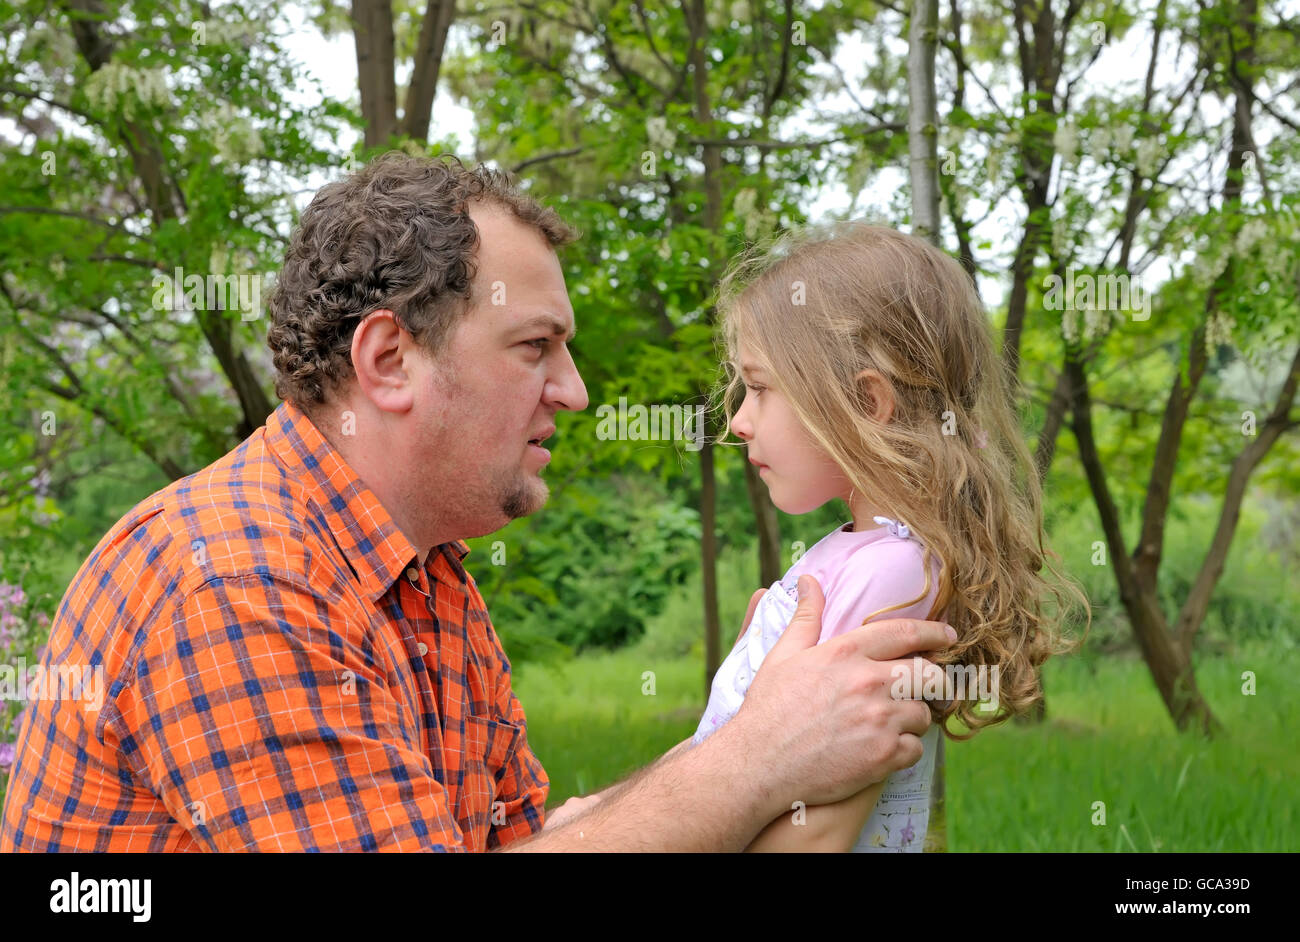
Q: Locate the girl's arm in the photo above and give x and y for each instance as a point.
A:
(826, 829)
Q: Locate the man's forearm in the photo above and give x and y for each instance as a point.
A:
(695, 799)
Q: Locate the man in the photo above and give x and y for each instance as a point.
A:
(295, 656)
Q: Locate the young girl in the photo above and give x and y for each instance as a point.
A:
(870, 375)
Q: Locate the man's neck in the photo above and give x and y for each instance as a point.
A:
(357, 451)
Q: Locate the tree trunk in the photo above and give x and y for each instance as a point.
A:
(1171, 671)
(922, 120)
(438, 15)
(372, 31)
(769, 532)
(709, 566)
(923, 164)
(712, 159)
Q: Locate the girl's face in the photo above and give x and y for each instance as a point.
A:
(800, 477)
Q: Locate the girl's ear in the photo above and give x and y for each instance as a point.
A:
(877, 394)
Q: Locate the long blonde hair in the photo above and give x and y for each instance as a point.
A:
(817, 309)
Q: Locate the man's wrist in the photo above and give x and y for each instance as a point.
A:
(701, 799)
(739, 756)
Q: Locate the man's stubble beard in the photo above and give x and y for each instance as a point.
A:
(522, 493)
(526, 498)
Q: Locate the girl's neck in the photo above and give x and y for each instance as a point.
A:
(863, 514)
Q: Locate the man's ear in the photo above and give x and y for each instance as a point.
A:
(877, 395)
(381, 352)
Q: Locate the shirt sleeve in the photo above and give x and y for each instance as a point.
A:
(879, 575)
(261, 722)
(522, 784)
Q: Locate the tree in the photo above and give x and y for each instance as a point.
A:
(922, 137)
(1236, 263)
(151, 142)
(374, 34)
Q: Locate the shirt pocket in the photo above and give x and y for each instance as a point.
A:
(490, 742)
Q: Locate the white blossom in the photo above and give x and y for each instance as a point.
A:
(661, 138)
(1066, 140)
(1250, 233)
(1218, 330)
(1149, 152)
(1070, 325)
(118, 85)
(235, 139)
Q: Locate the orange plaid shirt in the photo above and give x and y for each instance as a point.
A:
(279, 674)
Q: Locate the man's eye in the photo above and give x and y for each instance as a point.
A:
(538, 344)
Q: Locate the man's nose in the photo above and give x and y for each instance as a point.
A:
(567, 390)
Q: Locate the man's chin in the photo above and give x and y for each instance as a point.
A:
(527, 499)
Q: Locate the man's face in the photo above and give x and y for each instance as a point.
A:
(490, 398)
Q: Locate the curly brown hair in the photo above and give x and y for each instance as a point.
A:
(395, 235)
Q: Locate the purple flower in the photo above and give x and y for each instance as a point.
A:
(908, 834)
(8, 752)
(12, 595)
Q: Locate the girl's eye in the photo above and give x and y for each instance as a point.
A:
(757, 390)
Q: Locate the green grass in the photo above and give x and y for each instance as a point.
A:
(1108, 737)
(1011, 788)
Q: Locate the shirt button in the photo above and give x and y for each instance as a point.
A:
(422, 648)
(413, 576)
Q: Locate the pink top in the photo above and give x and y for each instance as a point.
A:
(863, 571)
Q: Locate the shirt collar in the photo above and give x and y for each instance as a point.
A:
(378, 551)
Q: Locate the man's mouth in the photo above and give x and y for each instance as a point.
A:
(536, 443)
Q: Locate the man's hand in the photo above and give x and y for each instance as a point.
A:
(819, 722)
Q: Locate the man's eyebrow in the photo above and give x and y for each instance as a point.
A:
(556, 326)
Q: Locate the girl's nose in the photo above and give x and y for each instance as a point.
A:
(740, 425)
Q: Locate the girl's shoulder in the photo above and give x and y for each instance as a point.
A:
(883, 576)
(849, 554)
